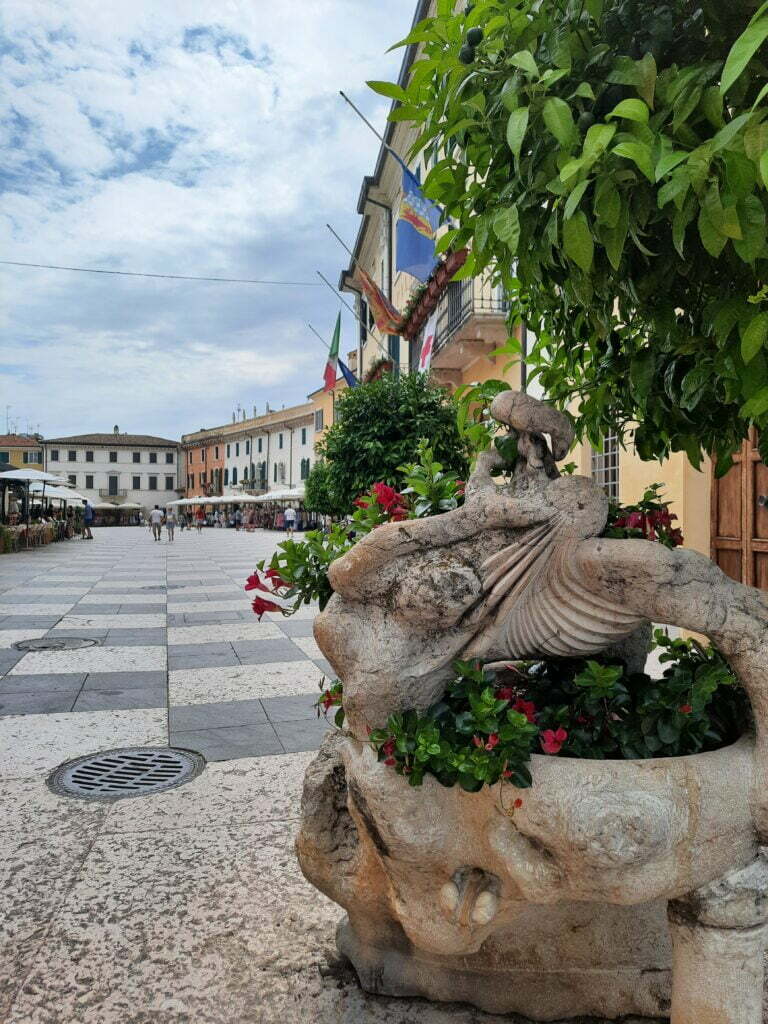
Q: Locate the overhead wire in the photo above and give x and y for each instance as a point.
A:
(170, 277)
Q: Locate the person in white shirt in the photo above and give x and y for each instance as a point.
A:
(290, 520)
(156, 522)
(170, 523)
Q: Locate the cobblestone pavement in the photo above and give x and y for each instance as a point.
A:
(183, 907)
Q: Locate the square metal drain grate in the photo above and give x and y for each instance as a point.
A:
(56, 643)
(127, 772)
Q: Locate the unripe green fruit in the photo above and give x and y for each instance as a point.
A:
(586, 120)
(474, 36)
(467, 54)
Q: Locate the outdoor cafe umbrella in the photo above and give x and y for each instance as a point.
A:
(29, 476)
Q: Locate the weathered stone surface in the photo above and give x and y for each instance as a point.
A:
(556, 909)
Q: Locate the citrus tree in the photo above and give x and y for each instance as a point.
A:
(607, 162)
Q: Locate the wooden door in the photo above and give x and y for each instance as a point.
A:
(739, 528)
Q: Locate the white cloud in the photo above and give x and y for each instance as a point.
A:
(193, 137)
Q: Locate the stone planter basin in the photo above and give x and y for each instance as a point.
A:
(620, 832)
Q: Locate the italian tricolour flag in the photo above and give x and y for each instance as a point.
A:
(329, 376)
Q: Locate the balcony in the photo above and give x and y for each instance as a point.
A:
(471, 323)
(105, 492)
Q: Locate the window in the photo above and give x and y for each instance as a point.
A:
(5, 458)
(191, 481)
(72, 477)
(203, 454)
(247, 447)
(29, 457)
(89, 456)
(113, 485)
(203, 480)
(170, 483)
(260, 443)
(54, 454)
(237, 449)
(89, 482)
(234, 475)
(153, 483)
(169, 458)
(304, 469)
(216, 452)
(605, 466)
(153, 457)
(227, 451)
(274, 473)
(190, 458)
(279, 440)
(71, 456)
(363, 320)
(113, 456)
(226, 477)
(245, 475)
(137, 456)
(136, 484)
(303, 435)
(318, 420)
(281, 473)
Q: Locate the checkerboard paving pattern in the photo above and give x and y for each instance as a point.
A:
(178, 656)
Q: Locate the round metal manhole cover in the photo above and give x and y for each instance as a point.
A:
(130, 771)
(56, 643)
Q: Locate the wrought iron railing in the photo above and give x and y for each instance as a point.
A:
(465, 299)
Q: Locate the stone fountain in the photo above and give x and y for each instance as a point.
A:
(619, 887)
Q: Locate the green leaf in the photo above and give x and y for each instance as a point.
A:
(639, 154)
(712, 240)
(631, 110)
(756, 406)
(646, 78)
(616, 237)
(575, 198)
(742, 52)
(726, 134)
(764, 168)
(559, 120)
(641, 375)
(607, 204)
(597, 139)
(388, 89)
(506, 226)
(509, 94)
(517, 125)
(523, 59)
(752, 219)
(712, 106)
(577, 241)
(584, 89)
(668, 162)
(754, 336)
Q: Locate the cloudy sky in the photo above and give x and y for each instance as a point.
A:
(201, 137)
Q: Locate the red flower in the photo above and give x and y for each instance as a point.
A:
(621, 521)
(460, 485)
(361, 503)
(676, 536)
(398, 514)
(493, 741)
(505, 693)
(518, 803)
(388, 748)
(276, 578)
(260, 606)
(685, 709)
(636, 521)
(390, 762)
(477, 741)
(525, 707)
(254, 583)
(386, 496)
(328, 700)
(507, 773)
(552, 742)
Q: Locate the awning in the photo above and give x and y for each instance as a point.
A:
(62, 493)
(26, 476)
(106, 506)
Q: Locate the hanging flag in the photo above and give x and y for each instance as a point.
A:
(428, 344)
(385, 316)
(417, 223)
(348, 376)
(329, 376)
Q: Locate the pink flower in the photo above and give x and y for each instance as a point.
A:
(636, 521)
(552, 741)
(477, 741)
(460, 486)
(388, 748)
(390, 762)
(493, 741)
(518, 804)
(685, 709)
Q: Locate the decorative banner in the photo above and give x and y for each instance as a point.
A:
(385, 316)
(428, 345)
(417, 222)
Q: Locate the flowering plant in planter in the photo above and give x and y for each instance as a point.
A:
(648, 519)
(488, 723)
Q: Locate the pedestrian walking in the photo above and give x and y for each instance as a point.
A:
(182, 521)
(156, 522)
(290, 520)
(88, 517)
(238, 518)
(170, 523)
(199, 520)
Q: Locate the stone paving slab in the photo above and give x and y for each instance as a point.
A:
(242, 682)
